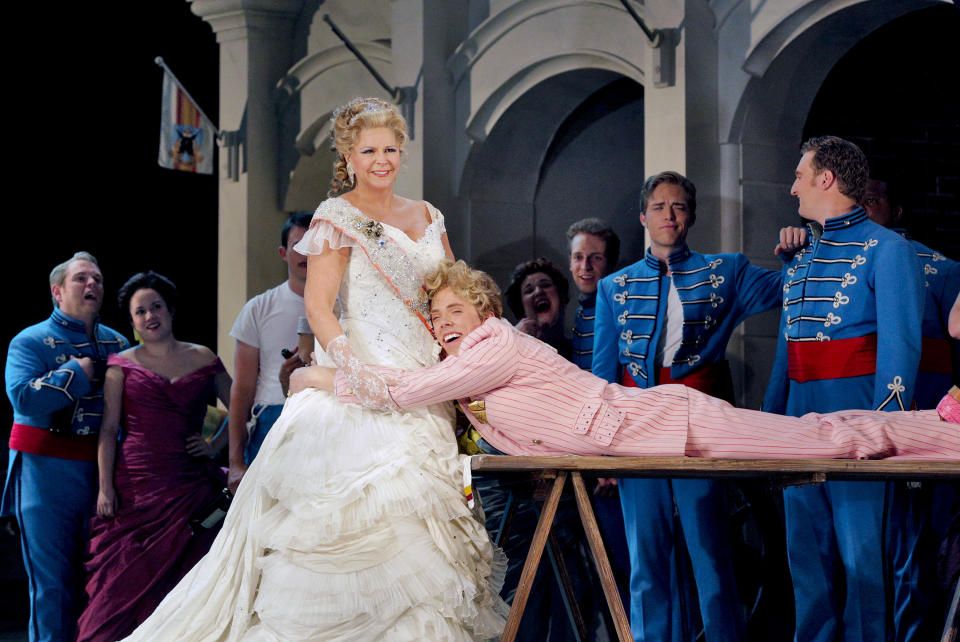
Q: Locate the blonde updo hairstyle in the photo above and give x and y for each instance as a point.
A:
(345, 127)
(474, 286)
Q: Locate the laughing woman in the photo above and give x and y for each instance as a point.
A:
(537, 296)
(158, 477)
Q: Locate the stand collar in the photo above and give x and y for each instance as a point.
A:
(851, 218)
(66, 321)
(679, 255)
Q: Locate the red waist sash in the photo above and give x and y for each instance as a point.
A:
(835, 359)
(935, 356)
(713, 379)
(40, 441)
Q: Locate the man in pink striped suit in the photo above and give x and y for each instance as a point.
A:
(525, 399)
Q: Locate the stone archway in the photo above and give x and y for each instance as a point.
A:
(570, 147)
(517, 78)
(788, 67)
(760, 141)
(904, 116)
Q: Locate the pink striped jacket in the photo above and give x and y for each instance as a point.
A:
(538, 403)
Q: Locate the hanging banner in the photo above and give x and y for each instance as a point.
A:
(186, 134)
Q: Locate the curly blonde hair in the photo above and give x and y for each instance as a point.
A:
(345, 127)
(474, 286)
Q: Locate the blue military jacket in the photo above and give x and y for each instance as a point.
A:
(582, 354)
(717, 292)
(49, 390)
(838, 287)
(941, 281)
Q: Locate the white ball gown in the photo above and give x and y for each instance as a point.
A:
(351, 524)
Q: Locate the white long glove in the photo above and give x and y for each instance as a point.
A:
(369, 386)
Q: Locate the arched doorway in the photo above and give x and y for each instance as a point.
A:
(760, 149)
(902, 111)
(568, 148)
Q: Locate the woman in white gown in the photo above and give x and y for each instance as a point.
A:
(351, 523)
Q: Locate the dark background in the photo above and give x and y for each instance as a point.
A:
(90, 179)
(85, 95)
(895, 95)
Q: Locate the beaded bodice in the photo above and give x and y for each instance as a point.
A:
(382, 329)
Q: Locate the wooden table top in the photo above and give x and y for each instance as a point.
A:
(911, 469)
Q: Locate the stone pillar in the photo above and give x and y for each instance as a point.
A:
(731, 214)
(444, 27)
(406, 43)
(664, 108)
(700, 124)
(256, 44)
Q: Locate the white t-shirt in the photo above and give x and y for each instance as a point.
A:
(672, 332)
(268, 322)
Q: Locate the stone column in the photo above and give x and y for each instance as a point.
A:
(444, 27)
(256, 44)
(664, 108)
(406, 43)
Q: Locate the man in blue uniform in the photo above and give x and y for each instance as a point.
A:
(922, 511)
(667, 319)
(594, 251)
(54, 377)
(832, 354)
(941, 285)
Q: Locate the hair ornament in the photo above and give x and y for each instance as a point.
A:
(367, 107)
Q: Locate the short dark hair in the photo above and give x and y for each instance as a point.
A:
(846, 162)
(674, 178)
(602, 230)
(297, 219)
(148, 280)
(522, 271)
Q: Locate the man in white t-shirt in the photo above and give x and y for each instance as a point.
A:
(266, 326)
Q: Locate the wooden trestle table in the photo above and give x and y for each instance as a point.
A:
(783, 472)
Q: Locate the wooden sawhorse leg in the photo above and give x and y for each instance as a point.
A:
(557, 562)
(540, 536)
(589, 520)
(951, 626)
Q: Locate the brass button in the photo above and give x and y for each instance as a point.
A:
(535, 441)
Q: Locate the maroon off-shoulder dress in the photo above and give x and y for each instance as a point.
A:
(136, 557)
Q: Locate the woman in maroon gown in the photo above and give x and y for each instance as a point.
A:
(159, 475)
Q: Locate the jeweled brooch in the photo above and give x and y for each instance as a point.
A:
(370, 228)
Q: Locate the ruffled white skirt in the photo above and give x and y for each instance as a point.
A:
(350, 524)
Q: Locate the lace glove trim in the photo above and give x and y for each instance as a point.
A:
(369, 386)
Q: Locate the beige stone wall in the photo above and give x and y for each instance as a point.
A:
(745, 75)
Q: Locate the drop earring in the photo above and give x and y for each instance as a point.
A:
(350, 172)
